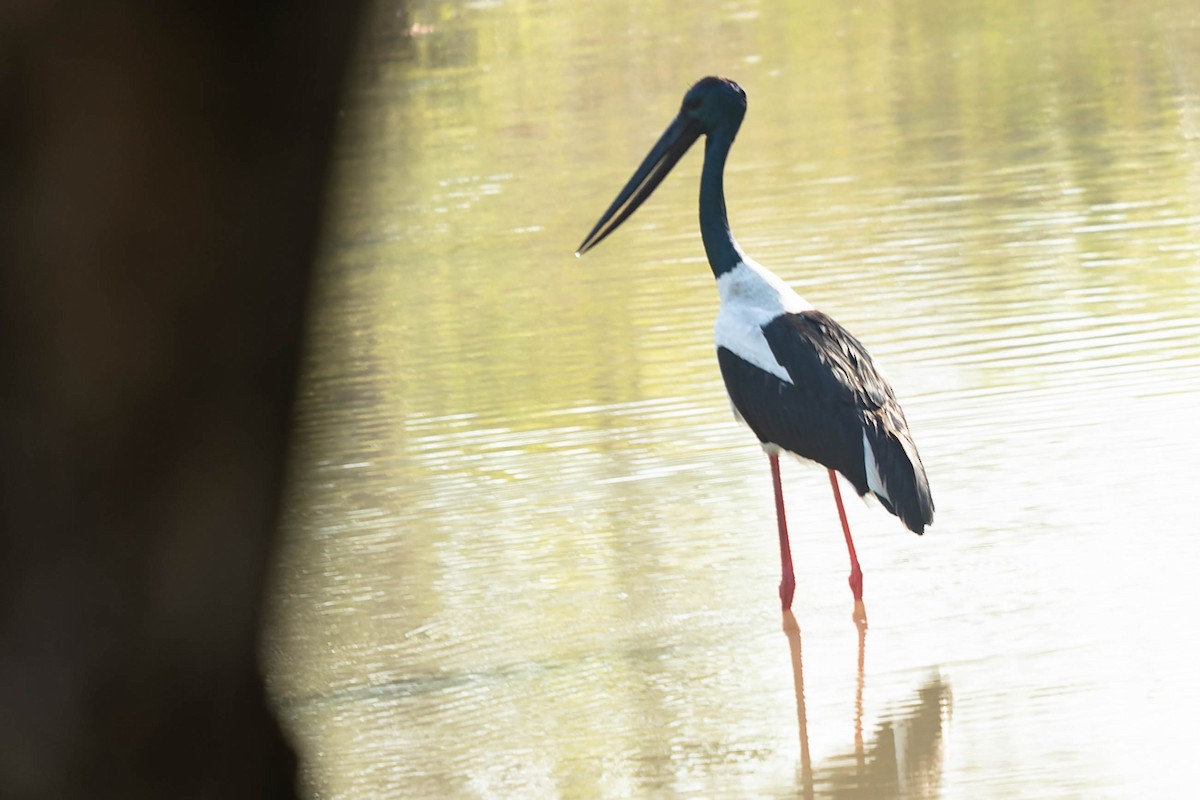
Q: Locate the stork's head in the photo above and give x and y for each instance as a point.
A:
(711, 106)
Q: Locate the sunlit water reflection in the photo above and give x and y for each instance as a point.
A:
(529, 552)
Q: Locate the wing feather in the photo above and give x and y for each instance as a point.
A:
(836, 397)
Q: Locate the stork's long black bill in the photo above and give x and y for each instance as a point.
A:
(671, 146)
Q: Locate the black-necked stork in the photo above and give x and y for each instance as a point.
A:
(796, 377)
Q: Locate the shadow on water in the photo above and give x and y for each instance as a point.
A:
(905, 755)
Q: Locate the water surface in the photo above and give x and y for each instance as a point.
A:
(530, 554)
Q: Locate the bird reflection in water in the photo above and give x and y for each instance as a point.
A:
(904, 755)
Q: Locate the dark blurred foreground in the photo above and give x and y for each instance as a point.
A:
(161, 171)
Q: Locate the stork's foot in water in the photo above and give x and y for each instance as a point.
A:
(856, 586)
(787, 589)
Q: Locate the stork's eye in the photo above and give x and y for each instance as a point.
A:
(691, 104)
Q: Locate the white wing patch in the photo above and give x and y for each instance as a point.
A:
(752, 296)
(874, 479)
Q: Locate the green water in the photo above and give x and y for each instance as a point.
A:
(529, 553)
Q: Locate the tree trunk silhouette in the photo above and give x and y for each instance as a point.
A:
(163, 167)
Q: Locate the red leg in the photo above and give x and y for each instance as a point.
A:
(856, 578)
(787, 585)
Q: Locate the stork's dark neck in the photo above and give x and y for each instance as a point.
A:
(719, 244)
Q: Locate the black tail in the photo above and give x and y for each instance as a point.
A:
(900, 471)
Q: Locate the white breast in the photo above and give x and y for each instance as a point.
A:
(752, 296)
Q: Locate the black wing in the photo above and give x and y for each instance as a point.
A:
(836, 395)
